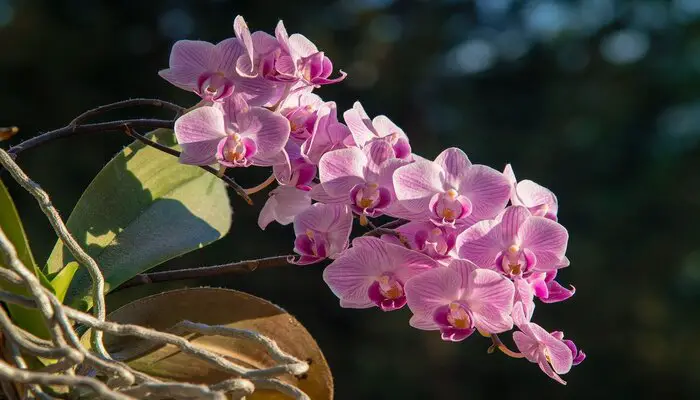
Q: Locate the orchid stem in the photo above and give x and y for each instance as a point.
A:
(209, 271)
(127, 103)
(386, 230)
(67, 131)
(498, 344)
(261, 186)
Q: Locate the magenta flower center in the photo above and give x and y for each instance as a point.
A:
(516, 261)
(399, 144)
(387, 292)
(317, 249)
(301, 122)
(389, 287)
(455, 321)
(368, 198)
(458, 316)
(435, 242)
(450, 206)
(214, 85)
(236, 151)
(311, 244)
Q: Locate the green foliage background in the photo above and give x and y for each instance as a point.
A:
(611, 127)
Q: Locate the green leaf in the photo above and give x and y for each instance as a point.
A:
(141, 210)
(62, 279)
(31, 320)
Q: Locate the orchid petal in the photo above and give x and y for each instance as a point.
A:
(243, 34)
(488, 190)
(546, 239)
(481, 243)
(270, 132)
(228, 51)
(340, 170)
(432, 289)
(455, 164)
(300, 46)
(490, 297)
(284, 203)
(360, 125)
(199, 125)
(416, 183)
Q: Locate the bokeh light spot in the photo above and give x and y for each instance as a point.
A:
(625, 46)
(7, 13)
(176, 24)
(472, 56)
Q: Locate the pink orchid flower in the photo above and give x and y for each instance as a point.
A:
(373, 273)
(450, 189)
(460, 298)
(547, 289)
(515, 244)
(358, 177)
(209, 71)
(283, 205)
(436, 241)
(234, 135)
(301, 110)
(365, 130)
(295, 170)
(288, 59)
(204, 68)
(538, 199)
(322, 231)
(548, 350)
(307, 62)
(327, 134)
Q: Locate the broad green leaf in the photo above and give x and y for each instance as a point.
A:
(62, 279)
(215, 306)
(10, 223)
(141, 210)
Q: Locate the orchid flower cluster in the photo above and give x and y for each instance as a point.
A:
(476, 246)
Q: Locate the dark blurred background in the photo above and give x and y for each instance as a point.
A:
(599, 100)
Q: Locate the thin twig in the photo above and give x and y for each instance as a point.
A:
(228, 180)
(46, 379)
(174, 391)
(292, 365)
(98, 282)
(67, 131)
(158, 337)
(127, 103)
(261, 378)
(19, 336)
(31, 282)
(394, 224)
(208, 271)
(235, 385)
(124, 374)
(183, 344)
